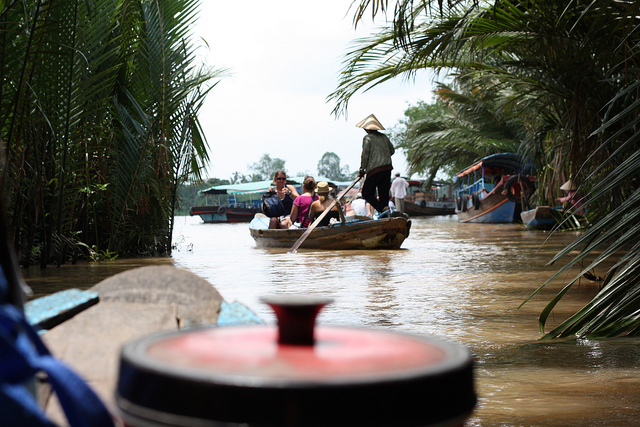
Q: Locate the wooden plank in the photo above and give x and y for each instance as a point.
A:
(51, 310)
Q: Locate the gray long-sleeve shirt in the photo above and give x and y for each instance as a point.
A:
(376, 152)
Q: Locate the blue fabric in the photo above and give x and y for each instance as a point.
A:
(272, 205)
(22, 355)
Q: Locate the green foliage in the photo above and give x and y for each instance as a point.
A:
(98, 115)
(98, 255)
(240, 178)
(549, 74)
(329, 167)
(264, 168)
(188, 194)
(457, 130)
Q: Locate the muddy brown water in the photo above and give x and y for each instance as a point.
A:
(460, 282)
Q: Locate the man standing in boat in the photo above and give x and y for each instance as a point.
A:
(375, 162)
(398, 191)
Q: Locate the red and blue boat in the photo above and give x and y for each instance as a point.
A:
(495, 189)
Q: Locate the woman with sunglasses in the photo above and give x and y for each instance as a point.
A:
(287, 194)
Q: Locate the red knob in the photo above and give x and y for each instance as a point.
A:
(296, 316)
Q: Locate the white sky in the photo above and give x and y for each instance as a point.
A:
(284, 58)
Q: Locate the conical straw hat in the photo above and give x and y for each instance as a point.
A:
(568, 186)
(370, 123)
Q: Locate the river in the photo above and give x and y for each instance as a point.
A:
(461, 282)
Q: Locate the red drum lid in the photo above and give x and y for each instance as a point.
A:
(346, 376)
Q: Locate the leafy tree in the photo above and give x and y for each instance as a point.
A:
(458, 129)
(237, 178)
(329, 167)
(266, 167)
(188, 193)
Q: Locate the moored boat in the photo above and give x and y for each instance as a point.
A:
(231, 203)
(215, 213)
(494, 189)
(437, 202)
(547, 218)
(429, 207)
(387, 233)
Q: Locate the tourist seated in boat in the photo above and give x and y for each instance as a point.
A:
(302, 203)
(359, 206)
(572, 200)
(323, 202)
(287, 194)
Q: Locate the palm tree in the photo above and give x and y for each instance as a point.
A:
(98, 116)
(459, 129)
(562, 69)
(161, 142)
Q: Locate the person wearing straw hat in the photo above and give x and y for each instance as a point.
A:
(323, 202)
(375, 163)
(573, 199)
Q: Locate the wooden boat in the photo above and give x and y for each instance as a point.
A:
(429, 207)
(214, 214)
(547, 218)
(437, 202)
(353, 234)
(231, 203)
(494, 189)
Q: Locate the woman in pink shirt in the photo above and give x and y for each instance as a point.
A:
(302, 203)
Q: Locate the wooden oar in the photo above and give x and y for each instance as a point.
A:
(308, 231)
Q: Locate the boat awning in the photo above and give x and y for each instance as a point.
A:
(505, 163)
(212, 191)
(246, 188)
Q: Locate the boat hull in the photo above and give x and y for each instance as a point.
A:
(371, 234)
(547, 218)
(492, 208)
(540, 218)
(217, 214)
(428, 207)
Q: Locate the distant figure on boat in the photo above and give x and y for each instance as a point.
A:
(287, 194)
(302, 203)
(499, 181)
(375, 162)
(323, 203)
(399, 191)
(360, 206)
(572, 199)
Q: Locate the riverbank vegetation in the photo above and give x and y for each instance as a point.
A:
(557, 81)
(99, 121)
